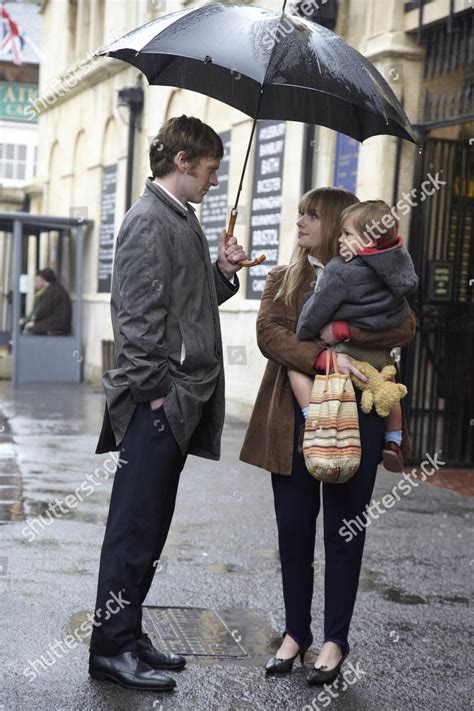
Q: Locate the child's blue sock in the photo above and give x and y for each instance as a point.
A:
(304, 410)
(394, 436)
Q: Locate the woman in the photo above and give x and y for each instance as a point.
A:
(274, 437)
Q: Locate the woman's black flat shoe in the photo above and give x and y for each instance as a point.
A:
(275, 665)
(322, 675)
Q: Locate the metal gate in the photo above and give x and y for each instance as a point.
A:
(438, 366)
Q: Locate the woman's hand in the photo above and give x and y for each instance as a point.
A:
(344, 363)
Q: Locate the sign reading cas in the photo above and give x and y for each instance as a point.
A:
(14, 98)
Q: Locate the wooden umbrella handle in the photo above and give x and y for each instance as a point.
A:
(230, 233)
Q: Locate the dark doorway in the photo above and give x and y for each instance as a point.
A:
(438, 366)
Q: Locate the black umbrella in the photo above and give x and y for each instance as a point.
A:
(269, 65)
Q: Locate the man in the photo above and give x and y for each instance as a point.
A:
(165, 397)
(51, 313)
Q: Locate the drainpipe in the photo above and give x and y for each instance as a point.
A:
(132, 97)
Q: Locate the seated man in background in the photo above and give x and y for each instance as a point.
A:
(52, 310)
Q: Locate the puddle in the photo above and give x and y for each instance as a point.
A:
(40, 516)
(74, 626)
(223, 567)
(450, 600)
(369, 582)
(401, 597)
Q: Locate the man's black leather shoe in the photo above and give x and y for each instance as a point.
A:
(156, 659)
(129, 670)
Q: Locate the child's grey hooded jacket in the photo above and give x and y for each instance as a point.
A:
(370, 292)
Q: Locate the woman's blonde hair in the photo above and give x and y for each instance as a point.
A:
(330, 202)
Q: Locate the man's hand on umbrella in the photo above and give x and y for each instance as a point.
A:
(229, 255)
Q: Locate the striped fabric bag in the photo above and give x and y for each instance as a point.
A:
(331, 445)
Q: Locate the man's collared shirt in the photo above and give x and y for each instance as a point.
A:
(173, 197)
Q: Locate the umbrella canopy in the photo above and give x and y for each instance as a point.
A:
(269, 65)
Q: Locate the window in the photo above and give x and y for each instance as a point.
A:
(12, 161)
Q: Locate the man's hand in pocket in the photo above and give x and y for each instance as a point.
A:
(155, 404)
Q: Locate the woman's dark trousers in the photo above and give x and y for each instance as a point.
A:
(141, 508)
(297, 504)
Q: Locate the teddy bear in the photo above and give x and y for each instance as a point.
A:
(380, 391)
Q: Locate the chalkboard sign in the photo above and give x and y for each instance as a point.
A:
(214, 212)
(107, 228)
(347, 158)
(440, 285)
(266, 203)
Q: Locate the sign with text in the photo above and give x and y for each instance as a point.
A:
(347, 158)
(214, 212)
(440, 280)
(107, 228)
(266, 203)
(15, 97)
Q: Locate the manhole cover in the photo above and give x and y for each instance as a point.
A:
(191, 630)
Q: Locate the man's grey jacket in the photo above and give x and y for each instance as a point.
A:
(165, 318)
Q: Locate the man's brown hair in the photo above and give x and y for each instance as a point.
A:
(183, 133)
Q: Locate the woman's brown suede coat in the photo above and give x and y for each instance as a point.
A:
(268, 441)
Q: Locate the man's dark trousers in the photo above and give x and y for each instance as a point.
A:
(141, 508)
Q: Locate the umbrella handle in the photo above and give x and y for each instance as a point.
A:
(230, 233)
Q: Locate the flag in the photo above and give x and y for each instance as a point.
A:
(11, 41)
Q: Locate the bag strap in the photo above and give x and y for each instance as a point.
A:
(328, 362)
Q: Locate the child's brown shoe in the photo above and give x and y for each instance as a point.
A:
(392, 457)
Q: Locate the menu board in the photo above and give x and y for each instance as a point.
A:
(214, 211)
(440, 280)
(107, 228)
(266, 203)
(347, 159)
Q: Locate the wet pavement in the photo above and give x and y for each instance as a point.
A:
(460, 480)
(410, 633)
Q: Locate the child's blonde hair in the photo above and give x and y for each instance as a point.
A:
(375, 219)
